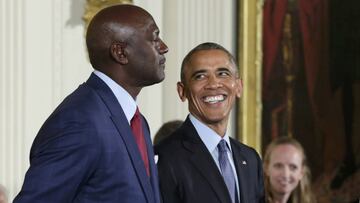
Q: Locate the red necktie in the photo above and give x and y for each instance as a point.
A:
(136, 128)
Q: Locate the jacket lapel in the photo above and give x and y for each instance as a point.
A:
(204, 163)
(126, 134)
(119, 119)
(241, 168)
(153, 169)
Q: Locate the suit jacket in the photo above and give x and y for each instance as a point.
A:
(188, 173)
(86, 152)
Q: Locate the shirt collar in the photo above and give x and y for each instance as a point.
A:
(127, 103)
(208, 136)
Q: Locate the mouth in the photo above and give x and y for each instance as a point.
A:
(283, 183)
(162, 61)
(214, 99)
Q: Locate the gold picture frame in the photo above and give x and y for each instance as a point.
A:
(248, 114)
(94, 6)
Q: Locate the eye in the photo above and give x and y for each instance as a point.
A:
(155, 36)
(277, 165)
(293, 167)
(224, 72)
(199, 76)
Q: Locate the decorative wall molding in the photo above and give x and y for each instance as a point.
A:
(12, 70)
(250, 61)
(94, 6)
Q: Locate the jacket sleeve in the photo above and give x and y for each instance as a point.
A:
(62, 159)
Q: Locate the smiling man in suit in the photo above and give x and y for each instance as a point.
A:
(96, 146)
(199, 162)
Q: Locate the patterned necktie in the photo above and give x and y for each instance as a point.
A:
(226, 170)
(137, 130)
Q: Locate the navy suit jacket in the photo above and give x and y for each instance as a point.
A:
(189, 174)
(86, 152)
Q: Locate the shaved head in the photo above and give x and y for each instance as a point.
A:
(112, 24)
(123, 41)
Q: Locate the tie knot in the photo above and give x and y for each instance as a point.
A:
(222, 146)
(136, 115)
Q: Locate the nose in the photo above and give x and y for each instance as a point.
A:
(286, 173)
(163, 48)
(213, 82)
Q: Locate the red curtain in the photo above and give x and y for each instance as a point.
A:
(324, 103)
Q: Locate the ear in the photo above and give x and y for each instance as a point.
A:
(181, 91)
(117, 51)
(239, 87)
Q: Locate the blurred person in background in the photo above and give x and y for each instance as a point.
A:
(166, 129)
(287, 175)
(3, 194)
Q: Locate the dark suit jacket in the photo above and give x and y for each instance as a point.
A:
(85, 152)
(188, 173)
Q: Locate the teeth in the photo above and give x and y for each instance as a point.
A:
(214, 99)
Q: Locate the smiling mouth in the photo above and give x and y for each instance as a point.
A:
(162, 61)
(214, 99)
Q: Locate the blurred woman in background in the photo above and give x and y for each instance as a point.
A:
(287, 176)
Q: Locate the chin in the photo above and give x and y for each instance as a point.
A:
(213, 120)
(160, 79)
(154, 80)
(285, 190)
(160, 76)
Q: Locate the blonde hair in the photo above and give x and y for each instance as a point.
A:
(303, 192)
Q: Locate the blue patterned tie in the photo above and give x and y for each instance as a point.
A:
(226, 170)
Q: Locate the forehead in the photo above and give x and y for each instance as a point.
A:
(152, 27)
(145, 29)
(286, 153)
(138, 19)
(209, 59)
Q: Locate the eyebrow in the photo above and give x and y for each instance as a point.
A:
(197, 72)
(223, 69)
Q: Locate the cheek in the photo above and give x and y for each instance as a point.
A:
(297, 177)
(273, 181)
(193, 91)
(236, 91)
(272, 174)
(275, 174)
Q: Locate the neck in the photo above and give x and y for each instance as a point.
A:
(281, 198)
(219, 128)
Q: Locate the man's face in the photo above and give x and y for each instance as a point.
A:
(210, 85)
(146, 53)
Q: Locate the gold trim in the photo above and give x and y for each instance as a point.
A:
(250, 61)
(94, 6)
